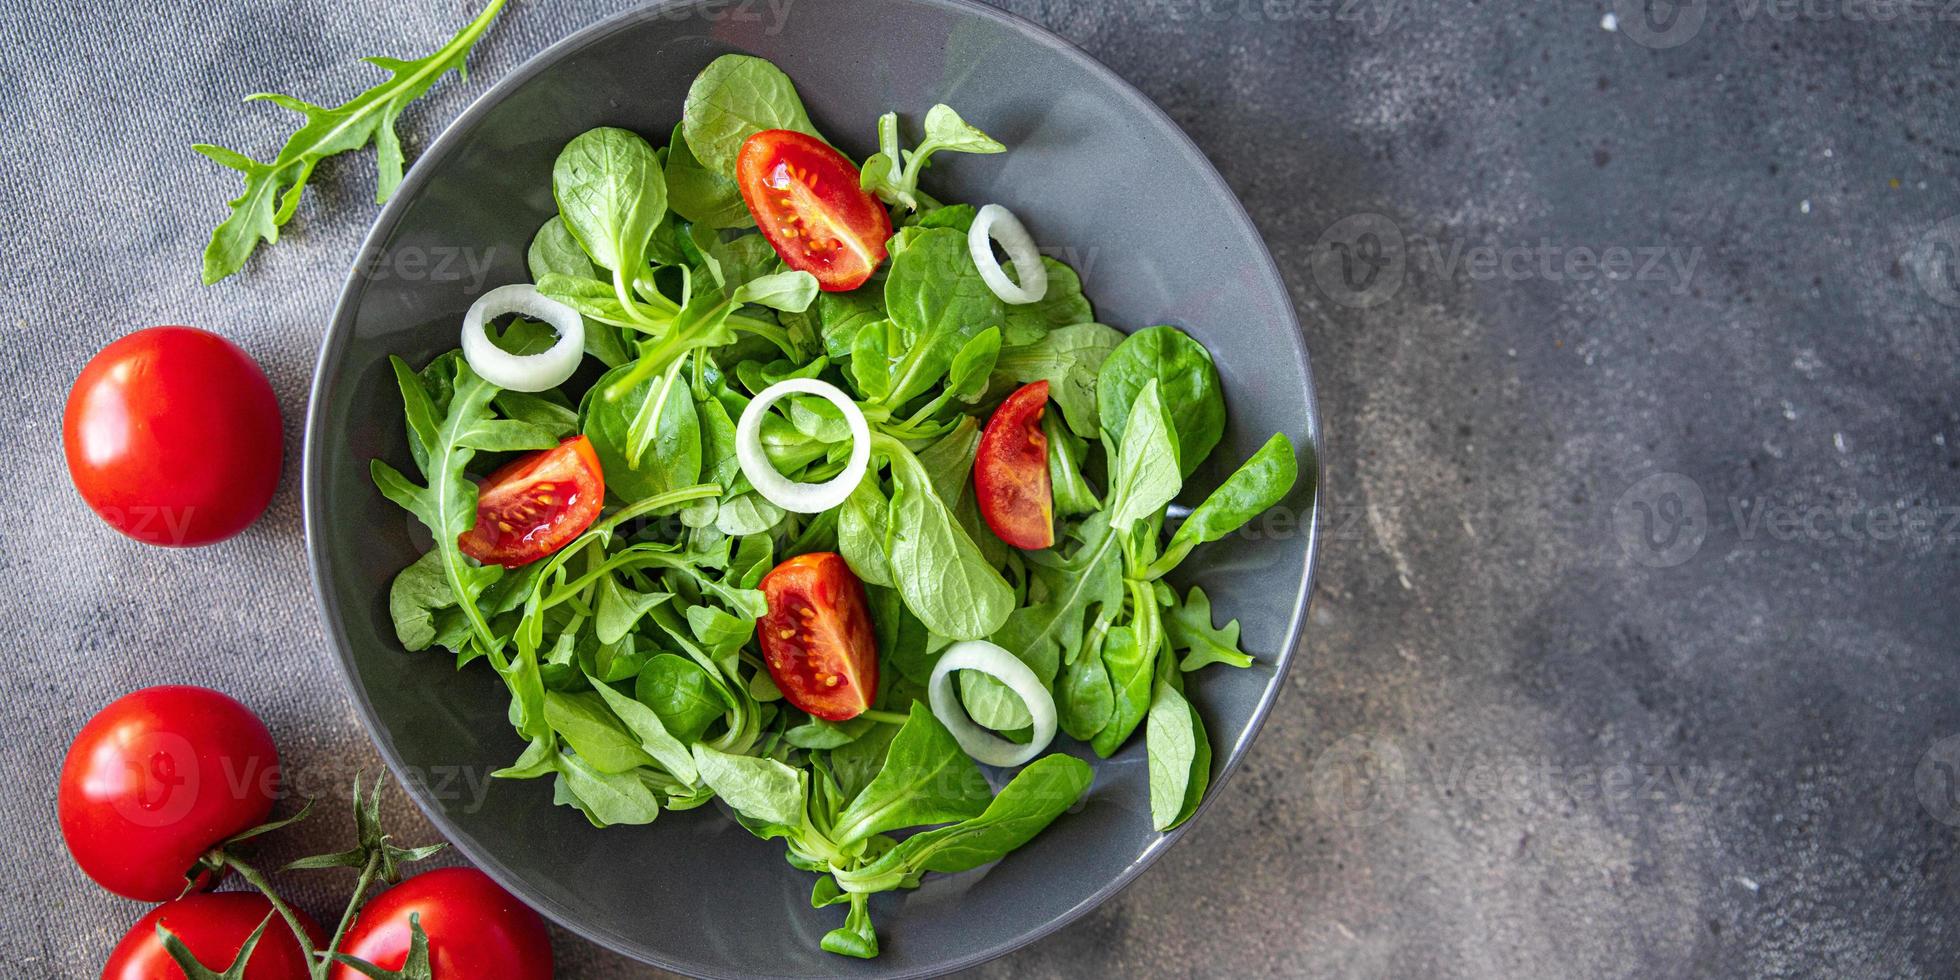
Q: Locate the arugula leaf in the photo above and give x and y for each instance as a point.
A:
(1187, 382)
(443, 448)
(1027, 804)
(1259, 483)
(1188, 627)
(1180, 757)
(1143, 473)
(272, 190)
(926, 779)
(734, 98)
(1068, 358)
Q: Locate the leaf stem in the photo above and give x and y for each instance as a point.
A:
(257, 880)
(884, 717)
(354, 903)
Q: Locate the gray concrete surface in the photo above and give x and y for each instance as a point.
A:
(1636, 637)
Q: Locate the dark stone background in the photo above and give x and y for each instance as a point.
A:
(1634, 647)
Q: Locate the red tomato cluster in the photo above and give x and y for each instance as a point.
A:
(161, 779)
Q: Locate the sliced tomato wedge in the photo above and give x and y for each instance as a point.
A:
(817, 640)
(1010, 471)
(536, 504)
(805, 198)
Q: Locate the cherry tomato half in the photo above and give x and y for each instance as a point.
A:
(476, 930)
(817, 640)
(213, 928)
(173, 436)
(158, 778)
(1010, 471)
(536, 504)
(805, 198)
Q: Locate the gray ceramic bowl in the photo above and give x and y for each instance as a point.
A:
(1095, 170)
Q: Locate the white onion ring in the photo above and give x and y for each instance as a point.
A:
(801, 498)
(990, 659)
(1002, 226)
(530, 372)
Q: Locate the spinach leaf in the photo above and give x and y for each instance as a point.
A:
(547, 411)
(554, 250)
(1188, 627)
(734, 98)
(611, 195)
(864, 532)
(1130, 676)
(1066, 454)
(272, 190)
(592, 731)
(1259, 483)
(646, 725)
(1180, 757)
(1062, 305)
(606, 798)
(842, 315)
(1144, 473)
(926, 779)
(893, 173)
(762, 790)
(791, 291)
(679, 691)
(820, 734)
(855, 764)
(855, 937)
(937, 299)
(936, 567)
(1068, 358)
(701, 195)
(1187, 382)
(672, 457)
(1084, 700)
(620, 608)
(1026, 805)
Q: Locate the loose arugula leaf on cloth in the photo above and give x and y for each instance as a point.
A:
(272, 190)
(893, 172)
(1029, 802)
(734, 98)
(1187, 382)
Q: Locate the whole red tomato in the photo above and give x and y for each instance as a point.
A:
(158, 778)
(173, 436)
(476, 930)
(213, 928)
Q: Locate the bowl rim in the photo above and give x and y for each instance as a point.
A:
(313, 469)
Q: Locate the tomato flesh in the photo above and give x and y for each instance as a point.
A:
(1010, 471)
(816, 639)
(214, 928)
(536, 504)
(158, 778)
(476, 930)
(172, 436)
(805, 198)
